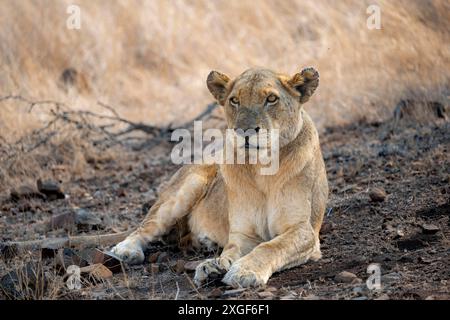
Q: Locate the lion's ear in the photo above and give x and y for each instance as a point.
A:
(217, 84)
(305, 83)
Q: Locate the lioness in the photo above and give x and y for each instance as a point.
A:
(264, 223)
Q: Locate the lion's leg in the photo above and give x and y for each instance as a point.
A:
(293, 247)
(241, 238)
(185, 189)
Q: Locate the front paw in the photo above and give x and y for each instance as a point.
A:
(240, 276)
(210, 268)
(130, 251)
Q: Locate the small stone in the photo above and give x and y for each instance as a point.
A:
(192, 265)
(383, 297)
(358, 290)
(429, 228)
(399, 234)
(163, 258)
(377, 194)
(96, 272)
(51, 189)
(62, 221)
(121, 192)
(345, 277)
(154, 257)
(85, 217)
(108, 259)
(215, 293)
(265, 295)
(326, 228)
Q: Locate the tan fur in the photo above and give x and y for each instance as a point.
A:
(264, 223)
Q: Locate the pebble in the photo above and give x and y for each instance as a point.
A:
(429, 228)
(266, 294)
(377, 194)
(345, 277)
(192, 265)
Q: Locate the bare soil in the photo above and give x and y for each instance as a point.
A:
(407, 233)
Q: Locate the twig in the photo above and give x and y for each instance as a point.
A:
(78, 241)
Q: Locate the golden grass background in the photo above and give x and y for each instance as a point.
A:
(150, 59)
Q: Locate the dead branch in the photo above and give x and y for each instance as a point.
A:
(65, 242)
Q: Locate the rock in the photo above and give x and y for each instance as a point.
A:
(398, 233)
(154, 268)
(215, 293)
(62, 221)
(345, 277)
(377, 194)
(327, 227)
(25, 192)
(96, 272)
(80, 219)
(121, 193)
(358, 290)
(179, 267)
(266, 295)
(233, 292)
(163, 257)
(51, 189)
(97, 256)
(48, 252)
(383, 297)
(154, 257)
(192, 265)
(86, 219)
(429, 228)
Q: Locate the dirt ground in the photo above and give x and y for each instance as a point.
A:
(406, 233)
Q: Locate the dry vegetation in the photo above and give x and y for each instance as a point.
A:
(149, 60)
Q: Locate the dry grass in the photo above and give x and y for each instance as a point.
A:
(150, 58)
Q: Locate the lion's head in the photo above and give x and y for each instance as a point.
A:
(262, 99)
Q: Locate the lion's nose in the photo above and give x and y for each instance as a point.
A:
(247, 131)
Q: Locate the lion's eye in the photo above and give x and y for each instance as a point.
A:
(234, 101)
(272, 99)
